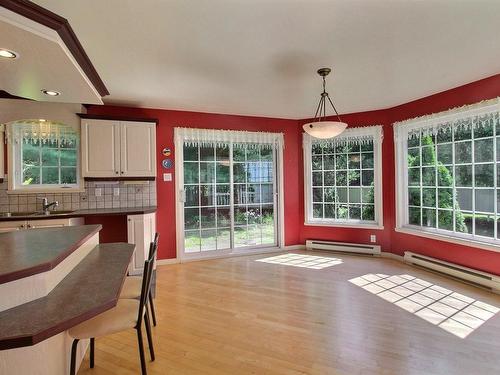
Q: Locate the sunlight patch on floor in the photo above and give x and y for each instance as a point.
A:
(451, 311)
(305, 261)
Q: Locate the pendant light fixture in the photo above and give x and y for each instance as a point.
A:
(320, 127)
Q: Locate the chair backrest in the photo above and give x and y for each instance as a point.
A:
(146, 285)
(153, 247)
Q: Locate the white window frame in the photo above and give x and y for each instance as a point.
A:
(14, 160)
(401, 131)
(351, 133)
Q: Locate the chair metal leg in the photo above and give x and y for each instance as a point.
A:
(92, 352)
(147, 323)
(153, 315)
(72, 365)
(141, 351)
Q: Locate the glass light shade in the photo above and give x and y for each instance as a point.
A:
(324, 129)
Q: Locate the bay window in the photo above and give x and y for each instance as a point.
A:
(447, 174)
(343, 178)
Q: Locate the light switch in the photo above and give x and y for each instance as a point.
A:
(167, 176)
(373, 238)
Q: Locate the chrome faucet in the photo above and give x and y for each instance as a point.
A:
(46, 205)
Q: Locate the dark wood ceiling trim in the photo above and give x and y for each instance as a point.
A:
(61, 25)
(118, 118)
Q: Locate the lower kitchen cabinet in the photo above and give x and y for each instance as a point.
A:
(140, 231)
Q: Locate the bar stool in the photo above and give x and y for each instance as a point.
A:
(128, 313)
(132, 285)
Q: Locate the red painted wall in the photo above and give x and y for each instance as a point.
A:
(295, 230)
(114, 228)
(168, 120)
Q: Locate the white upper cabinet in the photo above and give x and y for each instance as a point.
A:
(138, 144)
(100, 148)
(118, 148)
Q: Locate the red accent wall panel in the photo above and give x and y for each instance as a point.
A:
(114, 228)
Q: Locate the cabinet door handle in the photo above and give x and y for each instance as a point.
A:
(21, 226)
(121, 172)
(116, 172)
(28, 226)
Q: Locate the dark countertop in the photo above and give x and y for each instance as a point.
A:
(83, 213)
(28, 252)
(91, 288)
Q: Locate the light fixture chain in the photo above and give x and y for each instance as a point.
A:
(335, 109)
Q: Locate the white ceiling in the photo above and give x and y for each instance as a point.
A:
(44, 62)
(259, 57)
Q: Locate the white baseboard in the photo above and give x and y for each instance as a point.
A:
(299, 247)
(164, 262)
(240, 254)
(293, 247)
(386, 254)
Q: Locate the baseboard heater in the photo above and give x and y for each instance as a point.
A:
(343, 247)
(469, 275)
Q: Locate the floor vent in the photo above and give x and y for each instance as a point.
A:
(469, 275)
(343, 247)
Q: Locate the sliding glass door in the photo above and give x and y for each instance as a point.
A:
(254, 196)
(207, 202)
(229, 197)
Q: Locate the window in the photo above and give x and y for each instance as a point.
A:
(342, 178)
(44, 156)
(447, 174)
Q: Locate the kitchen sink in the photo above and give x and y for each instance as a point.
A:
(49, 213)
(34, 213)
(14, 214)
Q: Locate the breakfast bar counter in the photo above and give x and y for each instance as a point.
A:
(26, 253)
(51, 280)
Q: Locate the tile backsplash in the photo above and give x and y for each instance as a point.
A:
(130, 195)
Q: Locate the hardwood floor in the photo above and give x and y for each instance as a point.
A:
(239, 316)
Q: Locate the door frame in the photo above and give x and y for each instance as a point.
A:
(179, 208)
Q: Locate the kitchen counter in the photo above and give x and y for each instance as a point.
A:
(30, 252)
(91, 288)
(84, 213)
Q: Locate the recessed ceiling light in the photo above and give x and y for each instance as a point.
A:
(8, 54)
(51, 92)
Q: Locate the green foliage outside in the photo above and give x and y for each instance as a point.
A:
(42, 164)
(445, 196)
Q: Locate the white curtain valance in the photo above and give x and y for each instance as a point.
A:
(476, 116)
(222, 138)
(44, 131)
(351, 136)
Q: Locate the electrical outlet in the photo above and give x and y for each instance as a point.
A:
(167, 176)
(373, 238)
(98, 192)
(116, 192)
